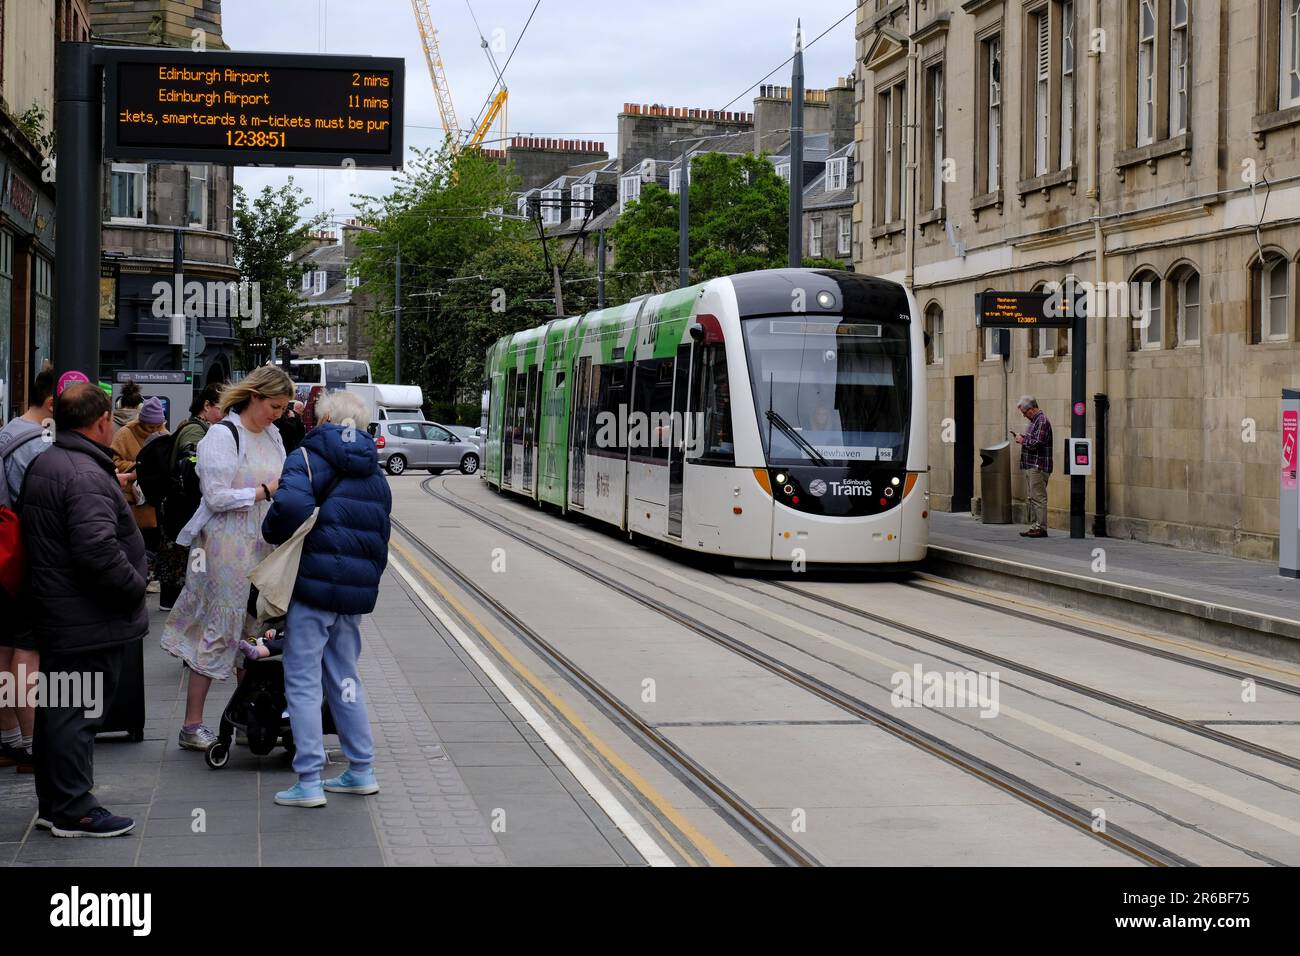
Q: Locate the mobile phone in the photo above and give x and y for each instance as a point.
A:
(1011, 432)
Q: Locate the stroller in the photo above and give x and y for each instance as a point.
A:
(258, 706)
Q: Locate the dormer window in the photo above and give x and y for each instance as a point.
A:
(582, 197)
(306, 282)
(354, 282)
(318, 282)
(783, 170)
(552, 206)
(629, 189)
(522, 206)
(674, 181)
(837, 175)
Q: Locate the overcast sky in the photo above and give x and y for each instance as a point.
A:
(576, 66)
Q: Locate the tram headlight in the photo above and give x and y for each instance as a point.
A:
(825, 299)
(780, 479)
(893, 481)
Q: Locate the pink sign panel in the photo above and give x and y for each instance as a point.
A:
(1290, 420)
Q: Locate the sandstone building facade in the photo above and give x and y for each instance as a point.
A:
(1150, 147)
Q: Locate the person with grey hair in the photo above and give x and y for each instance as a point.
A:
(336, 469)
(1036, 462)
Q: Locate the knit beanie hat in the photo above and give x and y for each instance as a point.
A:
(151, 412)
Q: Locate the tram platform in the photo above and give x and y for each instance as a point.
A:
(465, 779)
(1225, 600)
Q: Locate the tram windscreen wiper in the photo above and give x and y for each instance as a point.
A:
(792, 433)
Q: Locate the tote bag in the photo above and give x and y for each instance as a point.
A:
(277, 573)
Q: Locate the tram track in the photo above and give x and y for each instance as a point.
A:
(1023, 790)
(745, 818)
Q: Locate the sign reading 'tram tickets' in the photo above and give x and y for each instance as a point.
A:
(252, 109)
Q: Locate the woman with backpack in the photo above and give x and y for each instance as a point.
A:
(239, 464)
(181, 500)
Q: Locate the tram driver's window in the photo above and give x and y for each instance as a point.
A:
(715, 405)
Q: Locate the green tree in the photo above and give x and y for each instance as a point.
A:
(439, 215)
(740, 210)
(267, 230)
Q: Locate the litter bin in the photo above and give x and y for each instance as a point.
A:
(995, 483)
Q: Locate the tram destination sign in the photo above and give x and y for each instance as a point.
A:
(252, 109)
(1023, 310)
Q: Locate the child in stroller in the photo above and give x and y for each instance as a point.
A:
(258, 706)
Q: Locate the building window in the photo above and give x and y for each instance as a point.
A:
(306, 282)
(1272, 297)
(1179, 61)
(675, 180)
(935, 85)
(329, 335)
(44, 271)
(318, 282)
(552, 206)
(815, 237)
(837, 175)
(783, 170)
(353, 282)
(629, 190)
(1146, 310)
(1187, 306)
(521, 205)
(892, 201)
(6, 254)
(338, 334)
(197, 197)
(315, 336)
(934, 326)
(1289, 73)
(129, 189)
(580, 204)
(1067, 85)
(1146, 75)
(1042, 91)
(844, 244)
(991, 85)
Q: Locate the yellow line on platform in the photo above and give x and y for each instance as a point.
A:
(706, 847)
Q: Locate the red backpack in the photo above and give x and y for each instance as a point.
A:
(12, 565)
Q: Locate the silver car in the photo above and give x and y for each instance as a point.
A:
(427, 445)
(471, 434)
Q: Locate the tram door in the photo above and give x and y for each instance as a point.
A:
(682, 432)
(579, 427)
(531, 408)
(508, 428)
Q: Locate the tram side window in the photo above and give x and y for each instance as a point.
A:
(713, 400)
(508, 408)
(521, 407)
(609, 409)
(650, 430)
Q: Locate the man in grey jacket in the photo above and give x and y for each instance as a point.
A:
(87, 574)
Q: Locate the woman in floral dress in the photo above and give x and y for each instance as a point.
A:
(238, 479)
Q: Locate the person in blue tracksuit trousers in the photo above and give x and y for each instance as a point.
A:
(343, 558)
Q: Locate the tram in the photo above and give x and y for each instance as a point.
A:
(769, 416)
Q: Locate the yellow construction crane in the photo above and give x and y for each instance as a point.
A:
(429, 37)
(441, 89)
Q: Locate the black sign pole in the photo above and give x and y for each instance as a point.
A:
(77, 117)
(1078, 410)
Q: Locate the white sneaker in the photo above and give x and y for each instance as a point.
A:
(200, 740)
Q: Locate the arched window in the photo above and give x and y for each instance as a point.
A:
(1271, 281)
(1185, 299)
(934, 327)
(1145, 308)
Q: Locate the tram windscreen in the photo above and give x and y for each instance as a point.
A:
(829, 388)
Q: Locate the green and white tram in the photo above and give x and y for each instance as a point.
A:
(769, 416)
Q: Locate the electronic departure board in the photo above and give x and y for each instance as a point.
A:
(251, 109)
(1023, 310)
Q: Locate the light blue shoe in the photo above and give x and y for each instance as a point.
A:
(352, 781)
(302, 795)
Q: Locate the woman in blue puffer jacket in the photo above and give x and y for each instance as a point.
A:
(343, 558)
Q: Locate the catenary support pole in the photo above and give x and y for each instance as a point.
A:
(684, 219)
(397, 319)
(600, 269)
(78, 116)
(796, 152)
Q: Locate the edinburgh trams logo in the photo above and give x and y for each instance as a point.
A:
(850, 488)
(817, 488)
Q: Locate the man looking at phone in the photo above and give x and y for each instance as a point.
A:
(1036, 462)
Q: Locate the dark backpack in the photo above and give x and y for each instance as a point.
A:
(153, 468)
(185, 493)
